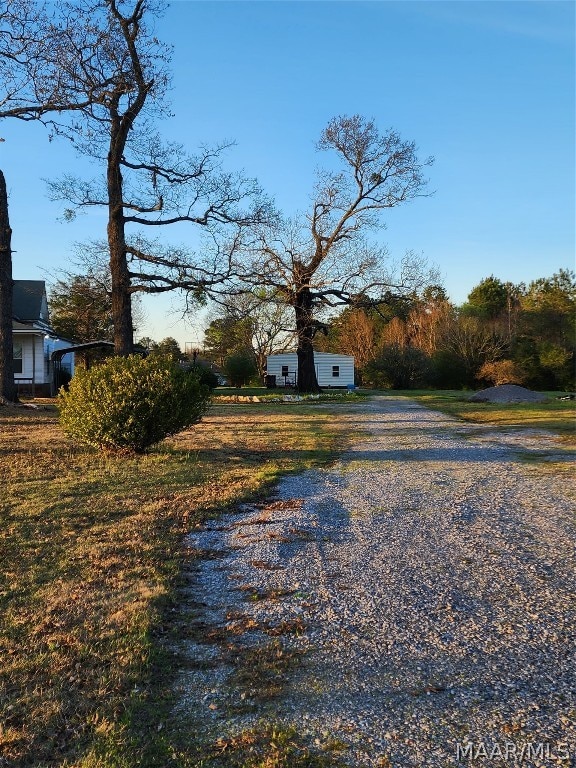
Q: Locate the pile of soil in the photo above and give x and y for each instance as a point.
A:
(508, 393)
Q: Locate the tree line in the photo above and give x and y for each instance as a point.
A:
(503, 334)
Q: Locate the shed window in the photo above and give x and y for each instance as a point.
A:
(335, 371)
(284, 370)
(17, 358)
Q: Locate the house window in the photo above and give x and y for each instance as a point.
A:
(284, 370)
(335, 371)
(17, 358)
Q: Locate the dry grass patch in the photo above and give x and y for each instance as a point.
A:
(266, 566)
(273, 746)
(260, 671)
(92, 551)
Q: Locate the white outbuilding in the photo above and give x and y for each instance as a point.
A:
(332, 370)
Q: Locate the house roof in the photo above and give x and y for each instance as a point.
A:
(317, 355)
(29, 301)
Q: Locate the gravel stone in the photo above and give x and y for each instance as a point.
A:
(508, 393)
(434, 571)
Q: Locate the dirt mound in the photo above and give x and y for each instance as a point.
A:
(508, 393)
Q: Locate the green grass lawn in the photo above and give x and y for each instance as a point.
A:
(336, 394)
(555, 416)
(92, 551)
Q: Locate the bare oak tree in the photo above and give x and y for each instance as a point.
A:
(323, 259)
(250, 320)
(474, 343)
(94, 72)
(7, 385)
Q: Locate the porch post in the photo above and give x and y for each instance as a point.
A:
(33, 367)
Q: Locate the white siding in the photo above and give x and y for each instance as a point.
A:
(33, 366)
(324, 362)
(327, 365)
(277, 364)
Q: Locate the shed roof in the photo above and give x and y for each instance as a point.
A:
(317, 355)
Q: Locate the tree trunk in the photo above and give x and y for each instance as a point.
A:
(307, 381)
(7, 385)
(121, 293)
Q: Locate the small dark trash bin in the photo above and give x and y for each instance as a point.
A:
(270, 381)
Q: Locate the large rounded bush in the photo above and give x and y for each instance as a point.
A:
(131, 403)
(240, 368)
(398, 367)
(205, 376)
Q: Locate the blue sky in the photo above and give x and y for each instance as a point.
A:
(487, 88)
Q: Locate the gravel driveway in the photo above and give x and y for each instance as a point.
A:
(428, 579)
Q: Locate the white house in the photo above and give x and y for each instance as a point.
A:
(33, 339)
(331, 370)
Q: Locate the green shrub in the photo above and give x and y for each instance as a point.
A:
(205, 375)
(131, 403)
(449, 371)
(239, 368)
(398, 368)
